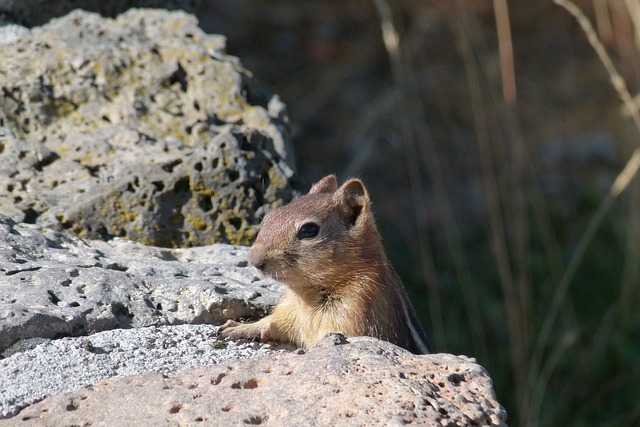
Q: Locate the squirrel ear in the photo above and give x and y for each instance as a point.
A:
(328, 184)
(351, 198)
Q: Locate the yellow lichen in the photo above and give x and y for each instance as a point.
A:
(197, 222)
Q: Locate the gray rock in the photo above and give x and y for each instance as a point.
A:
(138, 127)
(9, 33)
(53, 285)
(67, 364)
(363, 382)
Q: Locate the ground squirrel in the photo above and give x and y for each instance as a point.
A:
(325, 247)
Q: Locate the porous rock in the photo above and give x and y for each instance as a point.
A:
(364, 382)
(54, 285)
(138, 127)
(66, 364)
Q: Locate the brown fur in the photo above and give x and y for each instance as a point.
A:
(337, 281)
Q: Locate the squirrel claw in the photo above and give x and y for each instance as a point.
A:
(252, 331)
(223, 331)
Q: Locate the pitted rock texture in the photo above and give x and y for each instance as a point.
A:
(58, 366)
(53, 285)
(365, 382)
(138, 127)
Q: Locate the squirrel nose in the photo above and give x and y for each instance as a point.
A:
(257, 258)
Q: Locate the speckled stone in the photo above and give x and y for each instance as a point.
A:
(365, 382)
(53, 285)
(138, 127)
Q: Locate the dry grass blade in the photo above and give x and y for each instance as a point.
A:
(616, 79)
(401, 76)
(621, 182)
(537, 367)
(506, 51)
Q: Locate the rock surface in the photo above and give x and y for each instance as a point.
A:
(64, 365)
(364, 382)
(53, 285)
(138, 127)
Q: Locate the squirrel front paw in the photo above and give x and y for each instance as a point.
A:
(253, 331)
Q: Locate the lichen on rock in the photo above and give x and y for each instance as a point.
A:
(138, 127)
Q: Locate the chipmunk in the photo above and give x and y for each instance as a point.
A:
(325, 247)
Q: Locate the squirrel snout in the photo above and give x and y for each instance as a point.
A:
(257, 258)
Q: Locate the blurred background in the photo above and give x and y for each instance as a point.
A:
(490, 137)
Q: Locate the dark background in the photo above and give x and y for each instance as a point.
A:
(484, 197)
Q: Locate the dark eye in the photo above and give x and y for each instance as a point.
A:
(308, 231)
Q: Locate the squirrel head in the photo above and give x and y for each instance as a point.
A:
(317, 237)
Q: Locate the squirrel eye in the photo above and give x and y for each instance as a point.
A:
(308, 231)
